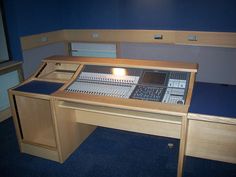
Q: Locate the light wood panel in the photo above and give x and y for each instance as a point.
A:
(60, 72)
(182, 146)
(5, 114)
(131, 104)
(120, 36)
(39, 151)
(211, 118)
(204, 38)
(217, 39)
(6, 66)
(124, 62)
(70, 133)
(36, 120)
(209, 140)
(42, 39)
(137, 121)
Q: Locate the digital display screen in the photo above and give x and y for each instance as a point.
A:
(154, 78)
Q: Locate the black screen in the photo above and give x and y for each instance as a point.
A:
(154, 78)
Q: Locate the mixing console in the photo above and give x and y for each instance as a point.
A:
(131, 83)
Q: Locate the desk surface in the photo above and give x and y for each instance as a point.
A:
(40, 87)
(214, 99)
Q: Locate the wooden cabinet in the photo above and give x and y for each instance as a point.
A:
(35, 119)
(212, 140)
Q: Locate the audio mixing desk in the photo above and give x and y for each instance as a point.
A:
(62, 103)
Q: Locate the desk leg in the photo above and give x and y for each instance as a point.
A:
(183, 136)
(69, 133)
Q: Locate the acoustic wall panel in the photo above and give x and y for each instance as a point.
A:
(7, 81)
(93, 50)
(216, 64)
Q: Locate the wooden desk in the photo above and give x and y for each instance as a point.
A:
(213, 112)
(69, 118)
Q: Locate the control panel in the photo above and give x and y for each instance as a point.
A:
(106, 81)
(132, 83)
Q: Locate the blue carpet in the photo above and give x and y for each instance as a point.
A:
(196, 167)
(107, 153)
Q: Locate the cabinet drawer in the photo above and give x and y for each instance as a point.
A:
(215, 141)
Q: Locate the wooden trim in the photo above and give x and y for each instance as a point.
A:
(211, 118)
(203, 38)
(142, 122)
(131, 104)
(31, 95)
(119, 35)
(123, 62)
(5, 67)
(211, 140)
(190, 88)
(42, 39)
(5, 114)
(182, 146)
(217, 39)
(40, 151)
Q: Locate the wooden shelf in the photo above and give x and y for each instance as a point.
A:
(203, 38)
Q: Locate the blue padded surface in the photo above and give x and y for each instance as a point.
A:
(40, 87)
(214, 99)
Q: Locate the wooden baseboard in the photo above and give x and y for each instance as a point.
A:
(5, 114)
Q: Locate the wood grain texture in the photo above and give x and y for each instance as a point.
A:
(131, 104)
(204, 38)
(9, 65)
(211, 118)
(60, 72)
(190, 88)
(182, 146)
(36, 120)
(15, 117)
(39, 151)
(209, 140)
(154, 124)
(120, 36)
(70, 133)
(217, 39)
(123, 62)
(32, 41)
(5, 114)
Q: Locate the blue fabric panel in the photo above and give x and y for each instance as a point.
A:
(40, 87)
(214, 99)
(198, 15)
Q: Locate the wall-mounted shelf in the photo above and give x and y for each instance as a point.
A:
(201, 38)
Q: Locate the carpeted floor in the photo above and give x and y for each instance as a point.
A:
(106, 153)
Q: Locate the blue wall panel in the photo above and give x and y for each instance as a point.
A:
(205, 15)
(91, 14)
(12, 27)
(28, 17)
